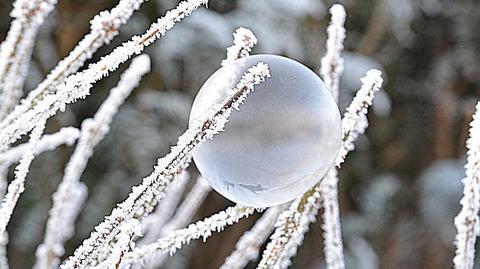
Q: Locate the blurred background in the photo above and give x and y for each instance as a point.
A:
(400, 188)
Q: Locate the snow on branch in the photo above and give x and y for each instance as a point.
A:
(17, 186)
(332, 63)
(78, 85)
(248, 246)
(243, 42)
(293, 223)
(104, 27)
(16, 50)
(61, 222)
(142, 197)
(467, 221)
(176, 239)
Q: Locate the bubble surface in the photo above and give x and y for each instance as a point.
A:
(282, 141)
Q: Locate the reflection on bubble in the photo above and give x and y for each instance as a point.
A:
(282, 141)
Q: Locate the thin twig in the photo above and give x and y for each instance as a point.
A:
(248, 246)
(467, 222)
(243, 42)
(331, 71)
(184, 214)
(176, 239)
(17, 186)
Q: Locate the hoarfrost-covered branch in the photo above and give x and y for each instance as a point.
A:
(290, 227)
(69, 198)
(16, 50)
(153, 186)
(3, 251)
(201, 229)
(66, 135)
(3, 180)
(332, 63)
(243, 42)
(331, 70)
(49, 252)
(164, 210)
(467, 221)
(17, 186)
(78, 85)
(355, 122)
(293, 223)
(187, 208)
(248, 246)
(124, 244)
(184, 214)
(104, 27)
(333, 245)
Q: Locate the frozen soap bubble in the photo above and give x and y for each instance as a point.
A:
(282, 141)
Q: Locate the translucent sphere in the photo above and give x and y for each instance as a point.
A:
(282, 141)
